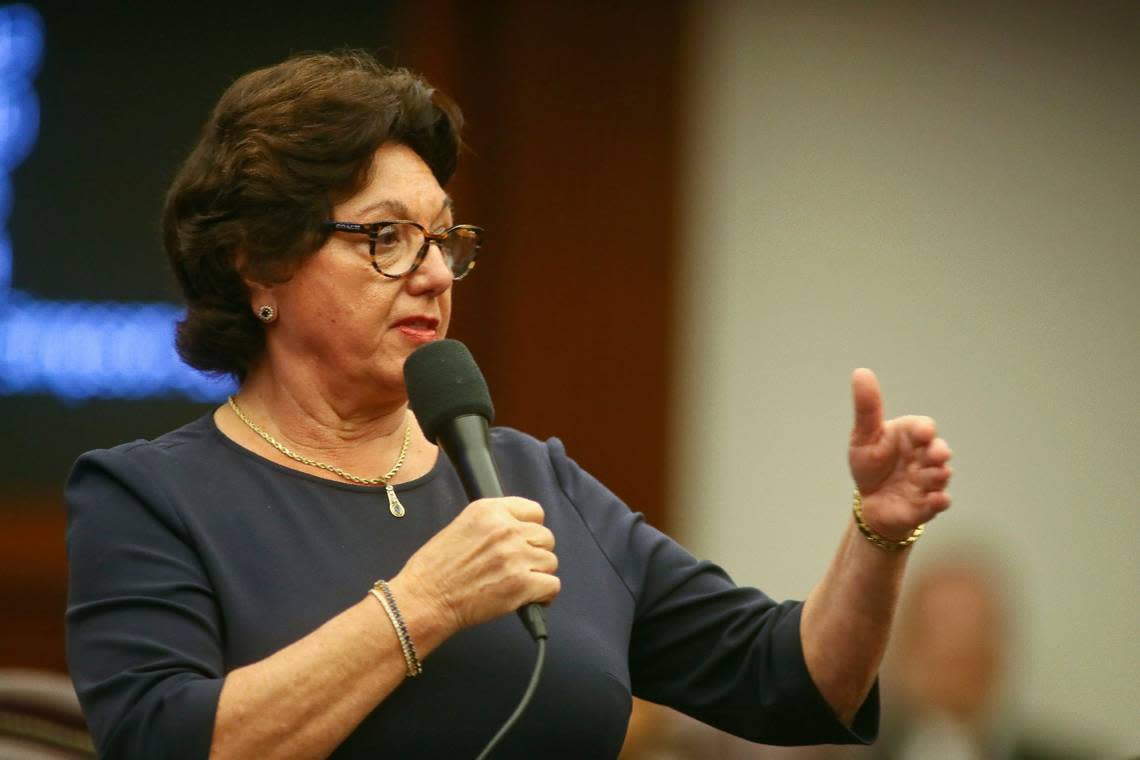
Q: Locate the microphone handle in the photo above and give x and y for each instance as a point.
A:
(466, 441)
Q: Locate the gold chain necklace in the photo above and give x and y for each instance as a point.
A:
(394, 505)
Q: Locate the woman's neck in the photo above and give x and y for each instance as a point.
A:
(363, 436)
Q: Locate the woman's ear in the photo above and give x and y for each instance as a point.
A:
(262, 299)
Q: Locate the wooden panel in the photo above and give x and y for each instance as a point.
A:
(571, 111)
(33, 582)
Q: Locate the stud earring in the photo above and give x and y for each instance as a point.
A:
(267, 314)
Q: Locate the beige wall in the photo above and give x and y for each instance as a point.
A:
(951, 197)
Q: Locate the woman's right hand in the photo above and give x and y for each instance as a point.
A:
(494, 557)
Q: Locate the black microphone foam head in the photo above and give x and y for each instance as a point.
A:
(444, 382)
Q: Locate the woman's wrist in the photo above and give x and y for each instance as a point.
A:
(887, 540)
(382, 592)
(427, 622)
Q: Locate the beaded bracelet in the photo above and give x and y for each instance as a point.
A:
(886, 544)
(383, 595)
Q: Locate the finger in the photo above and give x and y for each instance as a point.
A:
(525, 510)
(868, 407)
(932, 478)
(929, 506)
(935, 454)
(546, 587)
(923, 430)
(936, 501)
(539, 536)
(543, 561)
(919, 430)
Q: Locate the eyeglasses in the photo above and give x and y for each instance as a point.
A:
(397, 247)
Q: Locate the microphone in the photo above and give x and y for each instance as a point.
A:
(449, 397)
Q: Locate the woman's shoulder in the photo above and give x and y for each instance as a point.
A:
(515, 450)
(544, 467)
(511, 441)
(151, 456)
(135, 483)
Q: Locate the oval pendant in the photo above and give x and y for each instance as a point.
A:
(394, 505)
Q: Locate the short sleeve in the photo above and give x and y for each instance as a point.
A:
(729, 656)
(143, 630)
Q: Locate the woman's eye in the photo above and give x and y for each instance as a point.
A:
(388, 236)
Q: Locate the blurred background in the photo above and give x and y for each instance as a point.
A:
(701, 217)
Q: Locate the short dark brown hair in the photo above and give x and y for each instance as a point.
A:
(282, 146)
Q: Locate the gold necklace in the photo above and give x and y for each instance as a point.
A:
(394, 505)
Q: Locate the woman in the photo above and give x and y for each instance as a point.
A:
(222, 596)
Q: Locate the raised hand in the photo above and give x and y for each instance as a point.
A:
(493, 558)
(899, 466)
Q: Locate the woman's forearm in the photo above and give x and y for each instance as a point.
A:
(302, 701)
(847, 620)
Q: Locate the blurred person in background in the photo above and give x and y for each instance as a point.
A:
(223, 593)
(948, 671)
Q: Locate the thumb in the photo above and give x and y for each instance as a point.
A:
(868, 407)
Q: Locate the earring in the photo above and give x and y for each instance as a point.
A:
(267, 314)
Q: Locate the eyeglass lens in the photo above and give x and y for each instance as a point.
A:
(398, 245)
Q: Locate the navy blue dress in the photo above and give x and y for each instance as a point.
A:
(191, 556)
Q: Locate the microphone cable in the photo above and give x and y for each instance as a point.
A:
(539, 660)
(450, 399)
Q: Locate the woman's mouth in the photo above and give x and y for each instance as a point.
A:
(418, 329)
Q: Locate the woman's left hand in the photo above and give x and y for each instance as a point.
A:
(899, 466)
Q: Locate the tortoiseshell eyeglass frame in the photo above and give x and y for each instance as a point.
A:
(372, 230)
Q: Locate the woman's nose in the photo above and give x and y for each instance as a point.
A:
(433, 273)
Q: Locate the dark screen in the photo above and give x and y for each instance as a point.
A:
(123, 90)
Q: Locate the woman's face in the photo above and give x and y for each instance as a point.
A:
(341, 320)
